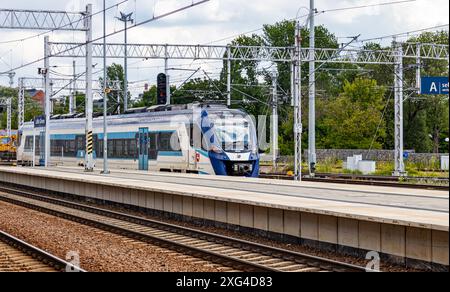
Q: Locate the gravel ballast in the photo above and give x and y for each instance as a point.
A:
(99, 251)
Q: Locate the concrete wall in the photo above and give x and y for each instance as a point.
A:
(401, 244)
(375, 155)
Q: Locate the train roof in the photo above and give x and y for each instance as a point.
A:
(139, 115)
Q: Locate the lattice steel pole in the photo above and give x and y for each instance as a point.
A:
(47, 101)
(312, 93)
(72, 97)
(298, 128)
(399, 162)
(166, 71)
(89, 157)
(229, 76)
(274, 120)
(105, 100)
(21, 104)
(418, 69)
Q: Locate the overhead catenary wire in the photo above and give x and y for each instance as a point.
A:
(113, 33)
(317, 13)
(63, 26)
(406, 34)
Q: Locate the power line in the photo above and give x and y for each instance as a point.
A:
(61, 27)
(113, 33)
(367, 6)
(402, 34)
(317, 14)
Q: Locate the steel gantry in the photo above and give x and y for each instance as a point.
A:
(248, 53)
(41, 19)
(63, 21)
(57, 85)
(294, 55)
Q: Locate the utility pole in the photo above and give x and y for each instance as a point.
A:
(229, 76)
(125, 18)
(298, 128)
(21, 104)
(72, 98)
(312, 93)
(11, 78)
(274, 121)
(398, 88)
(105, 98)
(166, 71)
(418, 69)
(9, 104)
(47, 101)
(51, 98)
(89, 157)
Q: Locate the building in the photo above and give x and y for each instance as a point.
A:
(37, 95)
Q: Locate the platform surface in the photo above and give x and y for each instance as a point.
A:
(400, 206)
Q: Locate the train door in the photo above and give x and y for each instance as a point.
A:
(143, 148)
(192, 153)
(42, 148)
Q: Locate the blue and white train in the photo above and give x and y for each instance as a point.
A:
(196, 138)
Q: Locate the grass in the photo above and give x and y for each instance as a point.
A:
(430, 169)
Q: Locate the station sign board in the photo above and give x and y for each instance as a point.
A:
(39, 121)
(434, 85)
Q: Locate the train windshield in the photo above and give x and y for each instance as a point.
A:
(235, 133)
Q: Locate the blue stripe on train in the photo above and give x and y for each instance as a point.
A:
(112, 136)
(170, 153)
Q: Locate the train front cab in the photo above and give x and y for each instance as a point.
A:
(232, 140)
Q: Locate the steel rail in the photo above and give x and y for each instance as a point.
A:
(38, 254)
(303, 261)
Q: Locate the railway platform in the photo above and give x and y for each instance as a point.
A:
(404, 226)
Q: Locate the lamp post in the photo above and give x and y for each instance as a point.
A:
(105, 98)
(125, 18)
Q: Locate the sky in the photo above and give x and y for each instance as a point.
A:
(211, 23)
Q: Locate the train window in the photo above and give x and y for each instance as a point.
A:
(153, 141)
(71, 148)
(37, 145)
(62, 148)
(191, 134)
(118, 148)
(204, 143)
(81, 143)
(164, 141)
(175, 142)
(198, 140)
(111, 148)
(132, 147)
(19, 139)
(153, 146)
(99, 148)
(28, 143)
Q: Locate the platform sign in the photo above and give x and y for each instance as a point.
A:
(434, 85)
(39, 122)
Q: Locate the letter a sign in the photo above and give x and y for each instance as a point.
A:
(434, 85)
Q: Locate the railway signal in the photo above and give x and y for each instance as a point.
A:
(162, 89)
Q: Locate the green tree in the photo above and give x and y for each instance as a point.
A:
(353, 119)
(32, 108)
(115, 72)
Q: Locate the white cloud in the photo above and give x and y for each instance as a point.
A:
(213, 21)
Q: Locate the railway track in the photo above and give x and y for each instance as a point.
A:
(366, 180)
(19, 256)
(239, 254)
